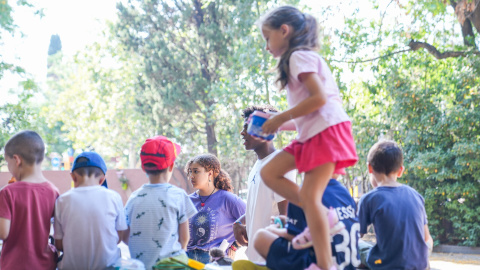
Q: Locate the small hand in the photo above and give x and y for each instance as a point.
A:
(273, 227)
(272, 124)
(240, 233)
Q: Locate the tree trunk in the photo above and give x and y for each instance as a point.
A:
(474, 17)
(467, 31)
(209, 123)
(211, 137)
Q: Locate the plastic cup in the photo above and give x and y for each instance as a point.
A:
(257, 119)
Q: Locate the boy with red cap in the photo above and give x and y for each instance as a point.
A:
(158, 212)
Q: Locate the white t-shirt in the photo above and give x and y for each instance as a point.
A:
(87, 220)
(328, 115)
(261, 204)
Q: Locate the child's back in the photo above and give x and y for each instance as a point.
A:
(397, 212)
(398, 216)
(88, 218)
(26, 207)
(153, 213)
(157, 213)
(29, 207)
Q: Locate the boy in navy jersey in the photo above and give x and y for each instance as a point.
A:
(274, 243)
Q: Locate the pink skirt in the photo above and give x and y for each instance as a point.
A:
(334, 144)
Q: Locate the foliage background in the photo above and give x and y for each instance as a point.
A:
(185, 69)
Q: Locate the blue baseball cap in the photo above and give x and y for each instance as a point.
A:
(93, 160)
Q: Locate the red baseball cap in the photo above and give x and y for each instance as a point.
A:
(160, 152)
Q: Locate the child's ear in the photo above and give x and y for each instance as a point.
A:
(74, 176)
(285, 28)
(101, 180)
(171, 167)
(18, 160)
(370, 168)
(400, 171)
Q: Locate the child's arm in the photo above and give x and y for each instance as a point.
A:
(4, 228)
(240, 231)
(121, 235)
(428, 239)
(316, 99)
(125, 235)
(59, 244)
(282, 208)
(183, 234)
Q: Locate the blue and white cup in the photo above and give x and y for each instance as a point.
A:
(257, 119)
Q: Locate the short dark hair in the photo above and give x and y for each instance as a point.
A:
(88, 171)
(385, 157)
(264, 108)
(154, 171)
(28, 145)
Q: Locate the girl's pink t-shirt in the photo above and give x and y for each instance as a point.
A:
(331, 113)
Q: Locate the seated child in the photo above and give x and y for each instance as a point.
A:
(158, 212)
(397, 212)
(26, 206)
(89, 218)
(274, 243)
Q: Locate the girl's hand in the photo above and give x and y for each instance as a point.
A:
(272, 124)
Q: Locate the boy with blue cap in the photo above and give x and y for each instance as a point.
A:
(89, 219)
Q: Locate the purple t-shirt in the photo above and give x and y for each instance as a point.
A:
(214, 220)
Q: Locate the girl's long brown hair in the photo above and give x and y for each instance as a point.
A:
(304, 35)
(221, 179)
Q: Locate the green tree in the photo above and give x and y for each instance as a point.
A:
(424, 99)
(197, 56)
(14, 116)
(92, 100)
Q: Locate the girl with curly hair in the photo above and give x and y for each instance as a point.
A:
(217, 207)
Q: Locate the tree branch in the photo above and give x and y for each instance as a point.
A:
(415, 45)
(371, 59)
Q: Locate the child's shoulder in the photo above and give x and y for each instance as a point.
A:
(20, 186)
(166, 188)
(231, 197)
(304, 55)
(401, 192)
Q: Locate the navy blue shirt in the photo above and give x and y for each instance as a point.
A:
(344, 244)
(398, 216)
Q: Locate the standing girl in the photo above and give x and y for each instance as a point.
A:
(324, 144)
(217, 207)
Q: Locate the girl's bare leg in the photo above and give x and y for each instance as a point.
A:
(273, 173)
(311, 194)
